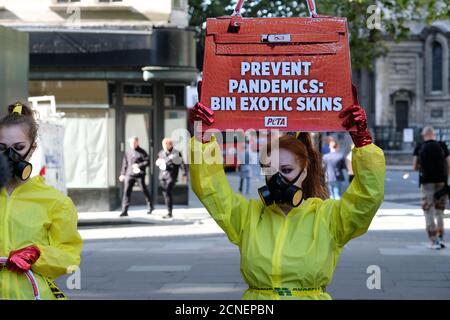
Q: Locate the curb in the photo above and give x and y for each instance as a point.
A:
(132, 221)
(399, 168)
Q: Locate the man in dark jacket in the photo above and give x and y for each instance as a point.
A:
(133, 170)
(169, 162)
(431, 159)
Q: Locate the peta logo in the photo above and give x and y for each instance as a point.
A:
(275, 122)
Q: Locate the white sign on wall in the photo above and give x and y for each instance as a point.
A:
(48, 159)
(408, 135)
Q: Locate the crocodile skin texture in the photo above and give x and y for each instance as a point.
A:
(323, 41)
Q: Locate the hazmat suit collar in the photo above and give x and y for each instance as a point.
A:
(31, 181)
(275, 209)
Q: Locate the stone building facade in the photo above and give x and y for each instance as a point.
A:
(411, 87)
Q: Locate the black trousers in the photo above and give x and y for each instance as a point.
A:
(128, 189)
(167, 188)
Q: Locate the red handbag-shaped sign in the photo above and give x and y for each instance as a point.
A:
(277, 73)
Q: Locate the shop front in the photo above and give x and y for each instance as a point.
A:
(111, 86)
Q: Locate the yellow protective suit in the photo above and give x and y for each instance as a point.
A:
(37, 214)
(293, 256)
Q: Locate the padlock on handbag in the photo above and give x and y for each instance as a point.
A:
(277, 73)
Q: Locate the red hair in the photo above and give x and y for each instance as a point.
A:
(308, 157)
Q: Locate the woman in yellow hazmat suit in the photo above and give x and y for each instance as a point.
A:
(290, 244)
(38, 223)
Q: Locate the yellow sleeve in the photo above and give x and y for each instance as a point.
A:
(351, 216)
(209, 183)
(65, 242)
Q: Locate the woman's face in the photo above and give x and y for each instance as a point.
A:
(17, 139)
(286, 163)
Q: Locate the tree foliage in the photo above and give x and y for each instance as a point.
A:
(366, 38)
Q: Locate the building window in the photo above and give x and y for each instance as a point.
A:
(66, 1)
(174, 96)
(89, 130)
(401, 114)
(109, 0)
(72, 93)
(89, 148)
(137, 95)
(437, 113)
(437, 66)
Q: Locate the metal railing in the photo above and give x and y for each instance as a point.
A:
(391, 138)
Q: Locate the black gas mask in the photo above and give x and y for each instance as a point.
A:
(18, 166)
(278, 189)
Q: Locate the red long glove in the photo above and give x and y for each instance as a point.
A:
(356, 116)
(200, 112)
(21, 260)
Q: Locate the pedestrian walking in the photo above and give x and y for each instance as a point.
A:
(134, 164)
(245, 168)
(39, 223)
(169, 162)
(291, 238)
(348, 165)
(431, 159)
(326, 144)
(334, 164)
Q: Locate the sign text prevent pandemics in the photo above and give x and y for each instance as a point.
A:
(284, 88)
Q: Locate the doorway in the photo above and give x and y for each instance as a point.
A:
(137, 123)
(401, 115)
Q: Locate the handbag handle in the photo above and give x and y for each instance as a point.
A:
(311, 8)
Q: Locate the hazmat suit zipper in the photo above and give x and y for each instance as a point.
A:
(276, 262)
(8, 199)
(5, 221)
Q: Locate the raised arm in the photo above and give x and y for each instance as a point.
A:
(208, 180)
(351, 216)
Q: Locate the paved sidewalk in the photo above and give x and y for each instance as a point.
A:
(195, 219)
(399, 167)
(205, 266)
(189, 257)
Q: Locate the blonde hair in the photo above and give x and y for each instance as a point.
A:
(20, 114)
(167, 140)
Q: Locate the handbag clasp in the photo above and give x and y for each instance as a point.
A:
(276, 38)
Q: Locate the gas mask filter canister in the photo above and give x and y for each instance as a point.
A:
(278, 189)
(18, 166)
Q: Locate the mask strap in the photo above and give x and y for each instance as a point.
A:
(26, 154)
(296, 178)
(293, 180)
